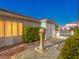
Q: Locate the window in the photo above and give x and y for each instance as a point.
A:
(7, 28)
(1, 28)
(20, 27)
(14, 28)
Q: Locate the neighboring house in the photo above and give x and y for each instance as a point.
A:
(74, 24)
(70, 25)
(12, 25)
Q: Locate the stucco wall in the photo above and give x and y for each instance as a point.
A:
(10, 41)
(50, 30)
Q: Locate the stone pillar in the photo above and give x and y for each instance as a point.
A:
(42, 37)
(72, 32)
(58, 34)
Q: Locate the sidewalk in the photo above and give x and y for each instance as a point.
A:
(51, 53)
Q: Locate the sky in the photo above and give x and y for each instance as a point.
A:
(60, 11)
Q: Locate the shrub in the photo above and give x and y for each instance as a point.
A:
(76, 30)
(71, 47)
(31, 34)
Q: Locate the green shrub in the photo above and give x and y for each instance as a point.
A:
(31, 34)
(76, 30)
(71, 47)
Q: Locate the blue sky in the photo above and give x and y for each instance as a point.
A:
(61, 11)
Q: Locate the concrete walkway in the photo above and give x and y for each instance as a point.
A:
(50, 53)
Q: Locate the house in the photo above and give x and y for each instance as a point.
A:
(70, 25)
(12, 25)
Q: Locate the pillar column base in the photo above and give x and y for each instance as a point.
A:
(39, 50)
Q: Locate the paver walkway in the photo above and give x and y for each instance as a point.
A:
(51, 53)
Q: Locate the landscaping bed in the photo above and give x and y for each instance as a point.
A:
(70, 50)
